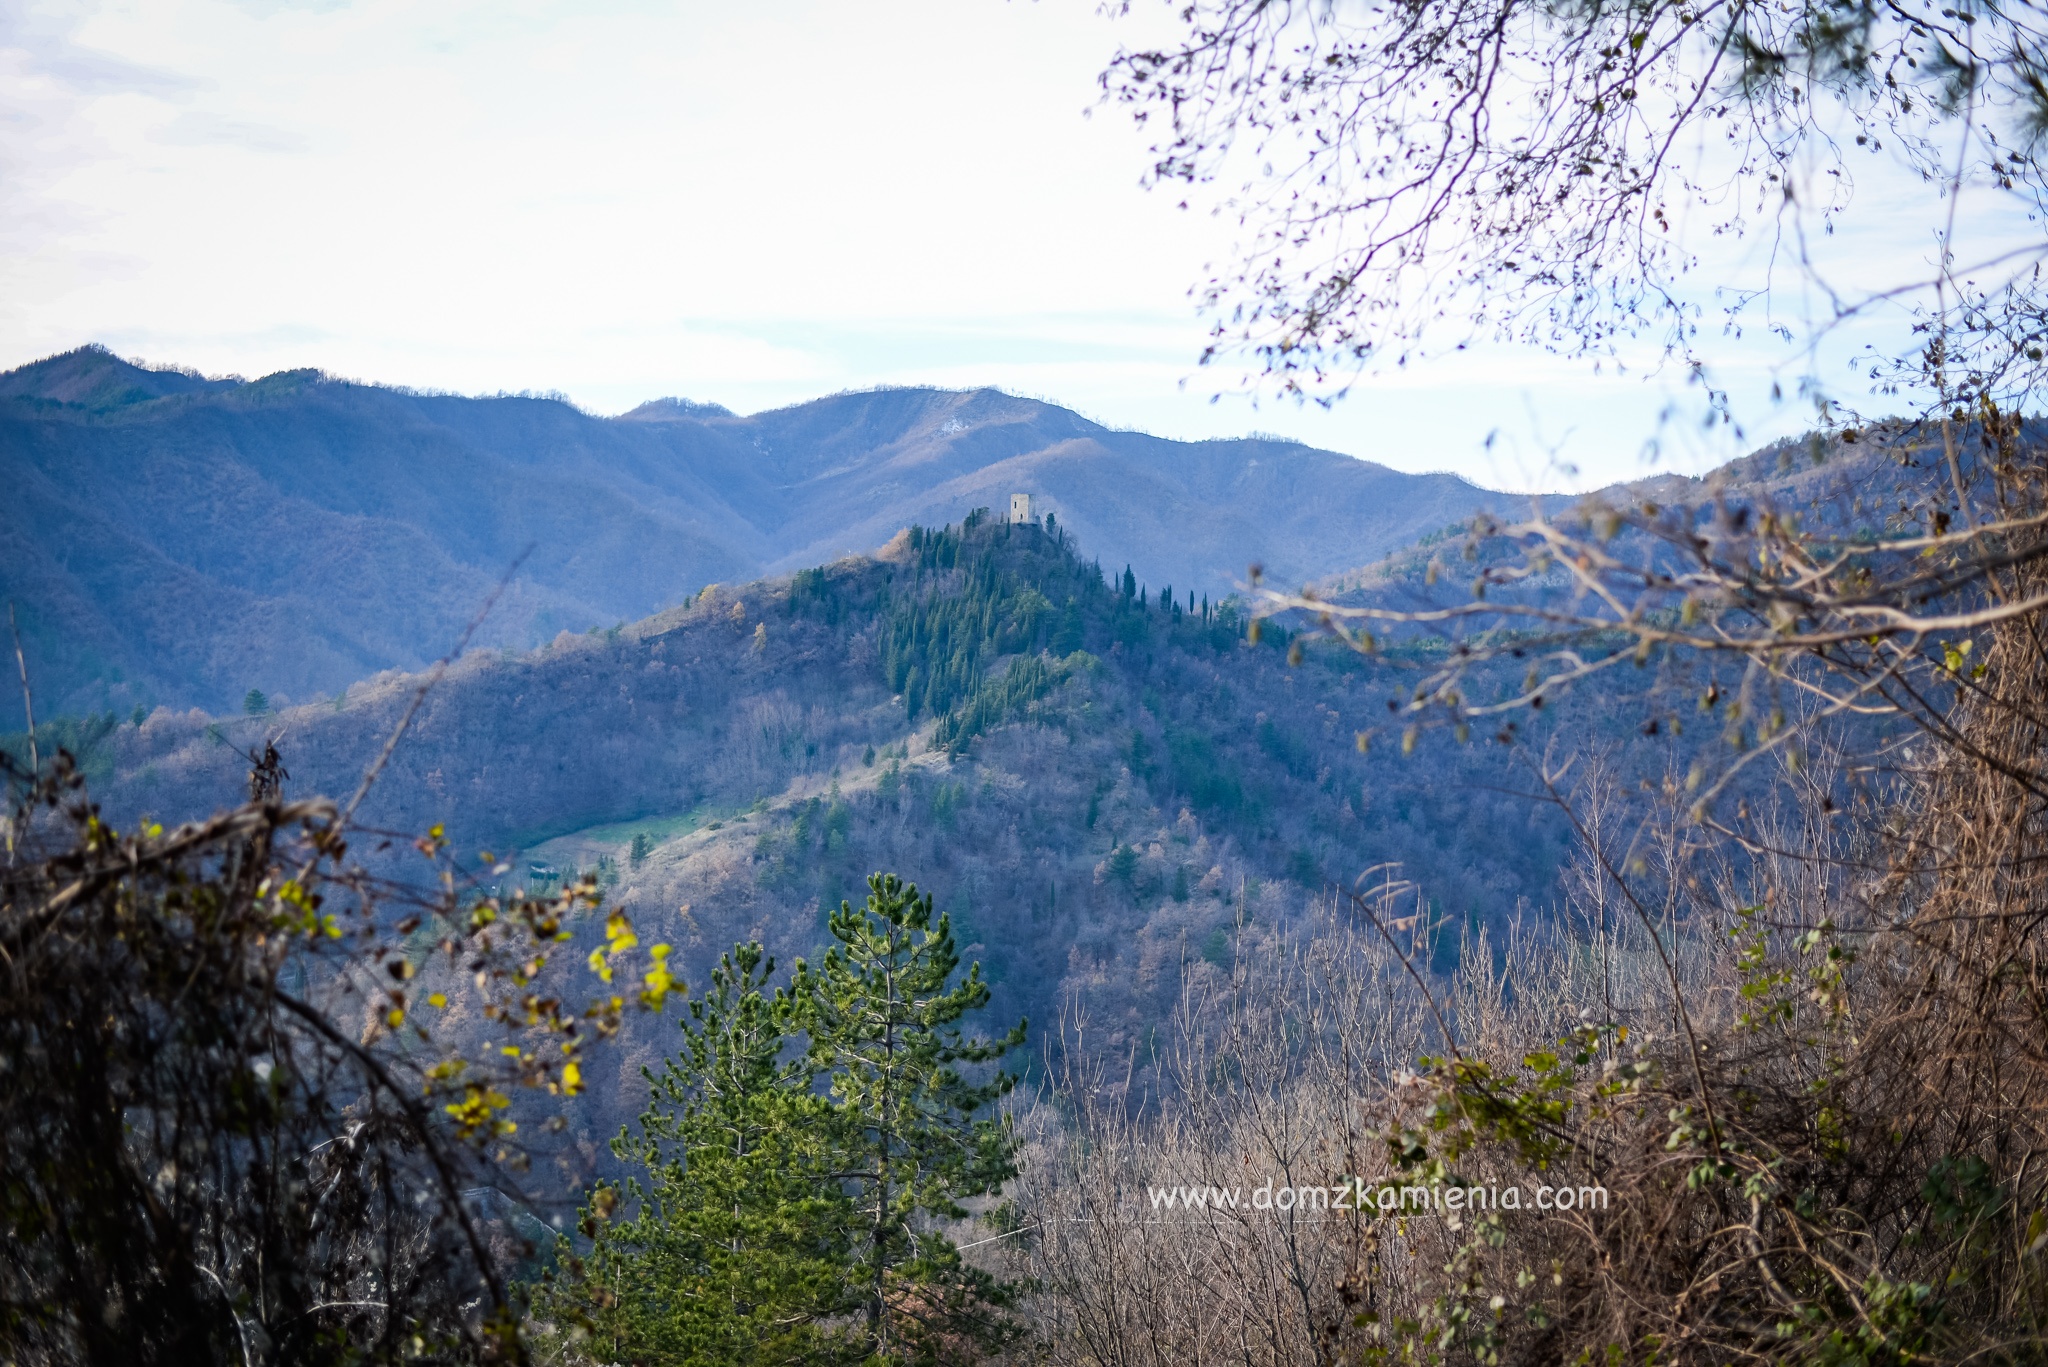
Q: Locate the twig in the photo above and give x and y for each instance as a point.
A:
(28, 702)
(1024, 1229)
(1670, 969)
(1450, 1041)
(417, 1121)
(420, 694)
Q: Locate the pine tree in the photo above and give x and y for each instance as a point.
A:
(915, 1134)
(796, 1155)
(739, 1246)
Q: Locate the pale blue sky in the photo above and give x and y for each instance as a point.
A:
(747, 203)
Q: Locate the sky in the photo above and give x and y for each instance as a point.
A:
(750, 204)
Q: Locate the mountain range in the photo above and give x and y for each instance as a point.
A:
(1101, 782)
(174, 539)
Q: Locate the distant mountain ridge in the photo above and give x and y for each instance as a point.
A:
(170, 538)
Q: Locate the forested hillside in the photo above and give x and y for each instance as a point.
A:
(169, 539)
(1097, 781)
(1865, 485)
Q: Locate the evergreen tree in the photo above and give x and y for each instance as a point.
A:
(1123, 867)
(1071, 630)
(254, 703)
(914, 1134)
(796, 1155)
(739, 1247)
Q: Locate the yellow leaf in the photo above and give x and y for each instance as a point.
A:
(619, 931)
(660, 980)
(572, 1079)
(436, 999)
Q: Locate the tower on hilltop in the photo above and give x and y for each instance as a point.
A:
(1020, 509)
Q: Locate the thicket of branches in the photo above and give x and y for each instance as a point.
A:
(1422, 174)
(253, 1095)
(1799, 1043)
(1808, 1076)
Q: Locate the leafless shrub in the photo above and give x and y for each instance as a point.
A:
(227, 1132)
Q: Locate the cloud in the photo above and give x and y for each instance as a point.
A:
(200, 128)
(751, 204)
(45, 48)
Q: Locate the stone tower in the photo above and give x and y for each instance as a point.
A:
(1020, 509)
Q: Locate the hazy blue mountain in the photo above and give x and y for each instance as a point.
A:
(173, 539)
